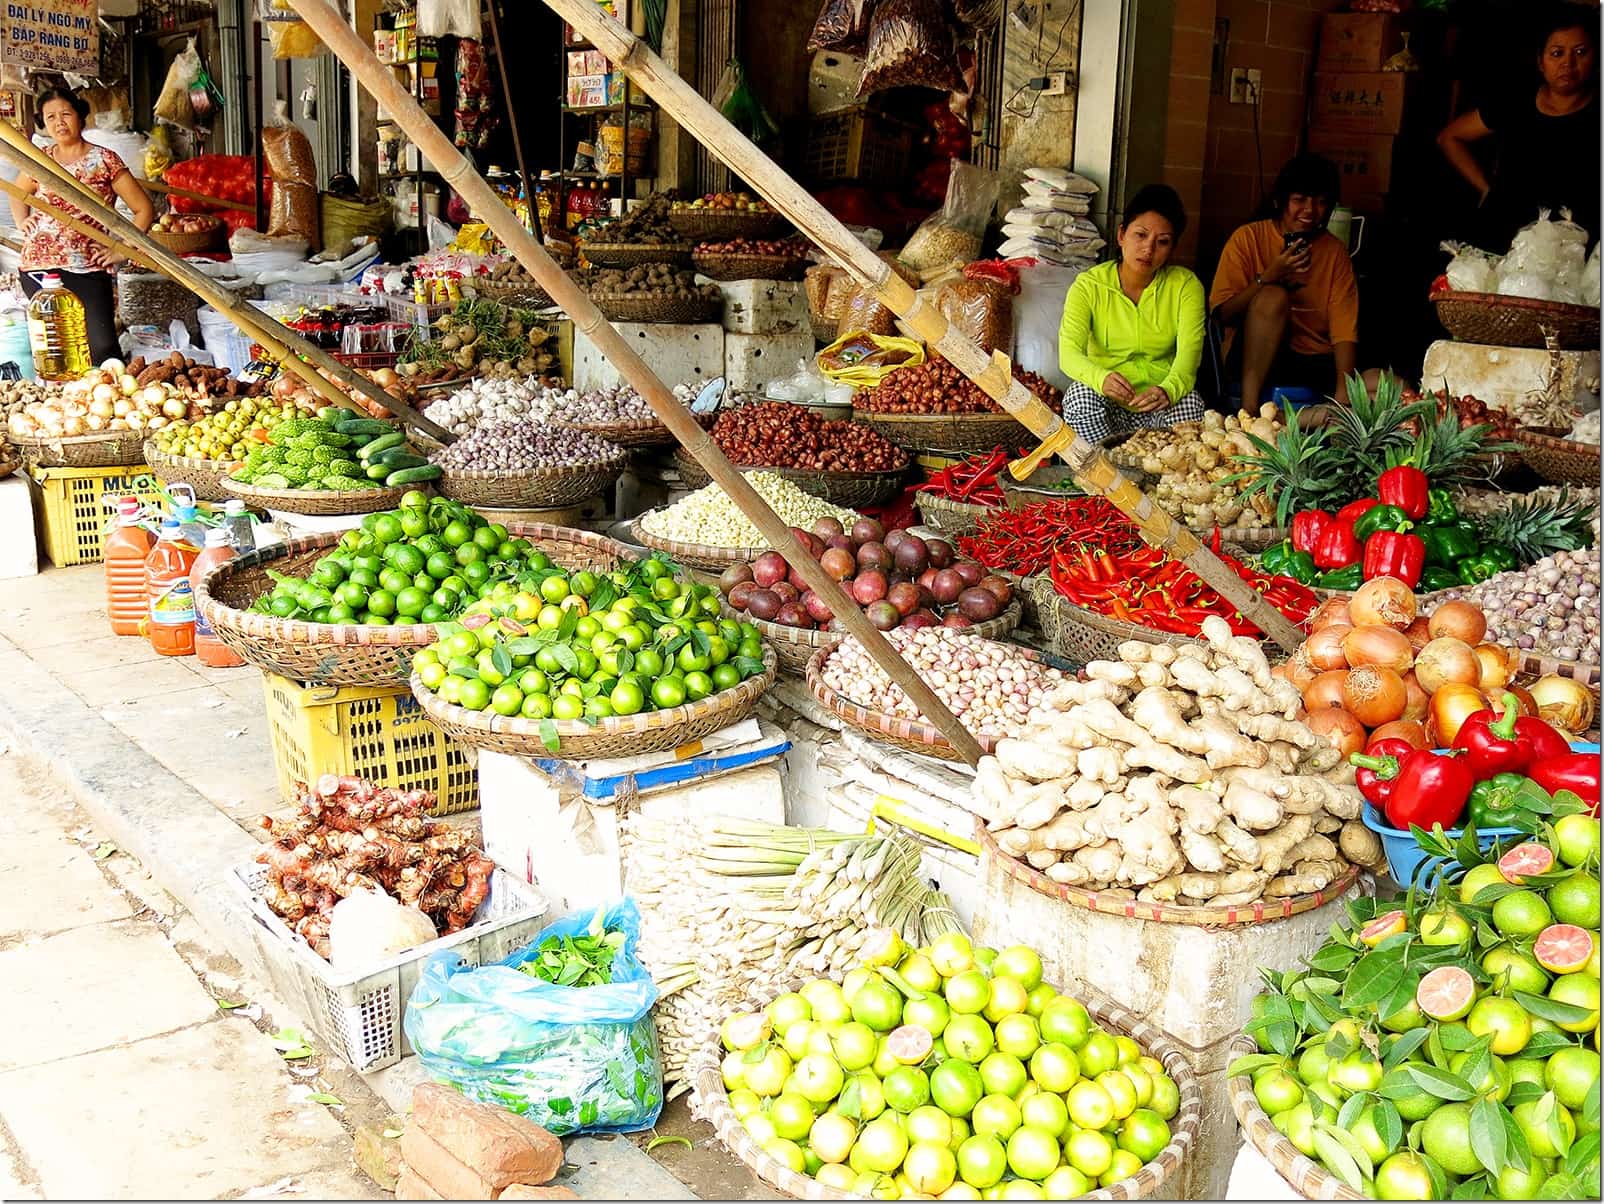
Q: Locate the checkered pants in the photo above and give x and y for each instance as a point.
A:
(1095, 417)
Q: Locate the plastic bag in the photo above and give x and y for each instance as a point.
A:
(287, 151)
(151, 342)
(173, 103)
(1590, 278)
(437, 18)
(368, 927)
(158, 154)
(952, 234)
(1061, 180)
(1037, 315)
(841, 25)
(571, 1059)
(860, 310)
(980, 304)
(1471, 270)
(910, 44)
(1546, 261)
(741, 107)
(864, 360)
(294, 40)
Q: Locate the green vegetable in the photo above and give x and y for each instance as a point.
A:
(582, 961)
(1436, 577)
(1448, 542)
(1380, 518)
(399, 457)
(1349, 578)
(369, 450)
(272, 480)
(371, 427)
(1440, 506)
(411, 476)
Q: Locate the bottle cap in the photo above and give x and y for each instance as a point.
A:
(128, 508)
(234, 506)
(171, 525)
(216, 537)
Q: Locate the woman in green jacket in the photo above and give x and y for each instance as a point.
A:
(1132, 334)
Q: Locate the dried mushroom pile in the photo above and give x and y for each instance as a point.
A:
(645, 225)
(1179, 774)
(1191, 464)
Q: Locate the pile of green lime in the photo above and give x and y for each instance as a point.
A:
(424, 562)
(1450, 1048)
(950, 1072)
(591, 646)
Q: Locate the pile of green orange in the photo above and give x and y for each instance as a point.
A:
(1450, 1047)
(950, 1072)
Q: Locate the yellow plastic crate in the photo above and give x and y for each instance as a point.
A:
(374, 732)
(73, 506)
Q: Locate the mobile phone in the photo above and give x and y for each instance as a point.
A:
(1297, 236)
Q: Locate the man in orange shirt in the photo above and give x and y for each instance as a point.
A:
(1285, 290)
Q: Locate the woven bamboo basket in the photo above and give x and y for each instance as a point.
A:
(630, 254)
(522, 292)
(1534, 665)
(318, 501)
(687, 310)
(647, 432)
(1153, 1181)
(109, 449)
(180, 243)
(951, 517)
(853, 490)
(720, 225)
(1302, 1173)
(721, 266)
(542, 488)
(206, 477)
(1256, 912)
(796, 646)
(619, 736)
(694, 555)
(1560, 461)
(966, 433)
(1082, 636)
(349, 654)
(441, 386)
(8, 464)
(1516, 321)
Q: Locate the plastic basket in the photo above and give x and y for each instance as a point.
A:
(857, 144)
(373, 732)
(358, 1015)
(70, 513)
(404, 309)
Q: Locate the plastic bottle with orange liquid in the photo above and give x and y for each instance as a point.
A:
(127, 603)
(171, 624)
(210, 650)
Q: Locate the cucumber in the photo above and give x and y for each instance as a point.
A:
(382, 443)
(397, 458)
(411, 476)
(331, 415)
(371, 427)
(377, 472)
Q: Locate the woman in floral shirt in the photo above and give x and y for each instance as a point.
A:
(87, 269)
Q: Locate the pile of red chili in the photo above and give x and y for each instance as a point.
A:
(974, 480)
(1095, 558)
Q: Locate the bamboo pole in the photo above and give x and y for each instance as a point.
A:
(174, 190)
(290, 347)
(460, 174)
(1092, 469)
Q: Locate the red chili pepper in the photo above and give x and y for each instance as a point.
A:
(1307, 527)
(1545, 743)
(1492, 745)
(1377, 768)
(1405, 487)
(1394, 554)
(1350, 513)
(1337, 546)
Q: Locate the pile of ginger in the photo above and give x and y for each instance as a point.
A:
(1177, 774)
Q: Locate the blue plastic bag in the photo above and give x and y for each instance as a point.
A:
(571, 1059)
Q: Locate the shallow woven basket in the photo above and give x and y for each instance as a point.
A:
(319, 501)
(632, 254)
(1082, 636)
(435, 386)
(349, 654)
(541, 488)
(1302, 1173)
(951, 517)
(619, 736)
(513, 293)
(853, 490)
(1256, 912)
(707, 1082)
(685, 310)
(722, 266)
(189, 244)
(647, 432)
(967, 433)
(720, 225)
(1560, 461)
(1517, 321)
(1534, 664)
(796, 646)
(206, 477)
(702, 556)
(110, 449)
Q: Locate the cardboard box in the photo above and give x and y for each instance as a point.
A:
(1358, 41)
(587, 91)
(1365, 161)
(616, 83)
(1366, 102)
(384, 45)
(587, 62)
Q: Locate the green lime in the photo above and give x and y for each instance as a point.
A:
(554, 589)
(633, 637)
(626, 698)
(434, 613)
(486, 539)
(341, 612)
(665, 588)
(750, 649)
(534, 681)
(648, 662)
(583, 583)
(424, 582)
(698, 685)
(549, 618)
(507, 700)
(381, 602)
(537, 561)
(587, 663)
(414, 523)
(374, 620)
(440, 566)
(431, 675)
(455, 582)
(456, 533)
(599, 708)
(718, 649)
(428, 544)
(693, 661)
(387, 528)
(406, 558)
(351, 594)
(463, 666)
(451, 690)
(536, 706)
(410, 602)
(415, 499)
(587, 628)
(469, 553)
(366, 564)
(726, 677)
(476, 573)
(546, 660)
(394, 580)
(652, 568)
(668, 692)
(446, 599)
(566, 706)
(475, 694)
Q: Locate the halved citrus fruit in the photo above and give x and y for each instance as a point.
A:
(1524, 860)
(1383, 926)
(1446, 993)
(1563, 948)
(910, 1044)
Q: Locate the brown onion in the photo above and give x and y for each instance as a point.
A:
(1373, 645)
(1324, 691)
(1528, 704)
(1324, 647)
(1451, 706)
(1344, 732)
(1411, 731)
(1445, 660)
(1498, 666)
(1332, 610)
(1384, 600)
(1418, 634)
(1374, 694)
(1461, 620)
(1416, 700)
(1564, 702)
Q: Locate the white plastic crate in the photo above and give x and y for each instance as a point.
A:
(358, 1015)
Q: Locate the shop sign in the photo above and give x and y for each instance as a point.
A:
(52, 35)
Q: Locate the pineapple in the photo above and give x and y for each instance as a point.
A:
(1448, 453)
(1533, 529)
(1367, 431)
(1296, 472)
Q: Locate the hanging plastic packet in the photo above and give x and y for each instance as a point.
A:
(741, 107)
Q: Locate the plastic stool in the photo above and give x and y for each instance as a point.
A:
(1292, 397)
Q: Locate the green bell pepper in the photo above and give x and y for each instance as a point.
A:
(1275, 557)
(1475, 568)
(1508, 800)
(1440, 507)
(1503, 557)
(1349, 578)
(1284, 560)
(1437, 577)
(1380, 518)
(1448, 542)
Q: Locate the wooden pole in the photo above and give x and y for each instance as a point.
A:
(1092, 469)
(460, 174)
(512, 119)
(292, 349)
(215, 202)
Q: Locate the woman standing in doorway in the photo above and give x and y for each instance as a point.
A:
(1132, 334)
(87, 269)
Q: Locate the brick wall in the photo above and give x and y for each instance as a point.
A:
(1186, 134)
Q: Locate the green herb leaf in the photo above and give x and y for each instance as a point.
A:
(228, 1005)
(1336, 1156)
(549, 736)
(323, 1097)
(664, 1139)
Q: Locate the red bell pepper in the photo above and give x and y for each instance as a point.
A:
(1371, 781)
(1338, 546)
(1576, 772)
(1493, 745)
(1307, 527)
(1431, 789)
(1395, 554)
(1350, 513)
(1541, 739)
(1405, 487)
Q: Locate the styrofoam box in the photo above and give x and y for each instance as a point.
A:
(752, 360)
(19, 554)
(675, 352)
(764, 307)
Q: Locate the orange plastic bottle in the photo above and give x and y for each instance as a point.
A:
(210, 650)
(126, 548)
(171, 625)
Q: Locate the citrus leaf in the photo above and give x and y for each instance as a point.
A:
(1546, 1042)
(1439, 1180)
(1405, 1045)
(1351, 1107)
(1516, 1149)
(1487, 1140)
(1553, 1010)
(323, 1097)
(1564, 1186)
(665, 1139)
(1374, 977)
(1523, 1093)
(548, 735)
(1332, 957)
(1474, 1188)
(1476, 1067)
(1336, 1157)
(1249, 1063)
(1582, 1161)
(1439, 1082)
(1389, 1124)
(1457, 1038)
